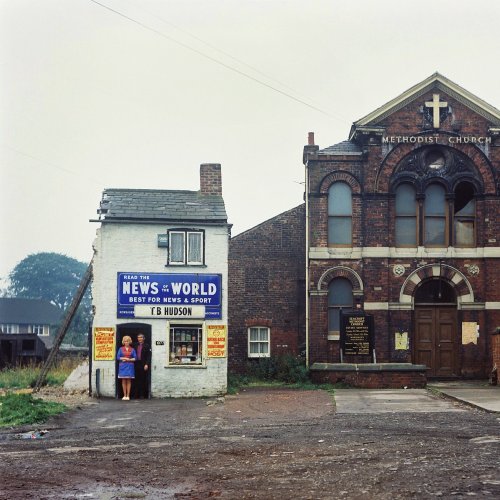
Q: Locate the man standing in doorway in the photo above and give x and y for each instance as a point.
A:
(142, 364)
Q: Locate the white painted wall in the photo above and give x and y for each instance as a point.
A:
(134, 248)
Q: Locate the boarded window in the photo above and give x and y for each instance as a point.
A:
(464, 220)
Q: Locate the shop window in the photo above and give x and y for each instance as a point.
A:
(406, 216)
(9, 328)
(339, 297)
(185, 247)
(464, 216)
(259, 339)
(38, 329)
(186, 345)
(339, 215)
(435, 216)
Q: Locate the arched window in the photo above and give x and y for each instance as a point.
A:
(435, 216)
(406, 216)
(340, 214)
(464, 216)
(339, 297)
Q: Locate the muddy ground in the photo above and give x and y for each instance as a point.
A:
(258, 444)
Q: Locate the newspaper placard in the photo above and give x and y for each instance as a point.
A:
(469, 332)
(104, 343)
(216, 341)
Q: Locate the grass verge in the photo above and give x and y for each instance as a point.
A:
(26, 376)
(21, 409)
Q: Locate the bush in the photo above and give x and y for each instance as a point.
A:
(19, 409)
(287, 368)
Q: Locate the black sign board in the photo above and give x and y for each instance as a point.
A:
(356, 333)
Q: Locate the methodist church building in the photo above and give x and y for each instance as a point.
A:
(400, 249)
(402, 226)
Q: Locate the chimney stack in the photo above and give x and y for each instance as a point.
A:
(210, 179)
(310, 139)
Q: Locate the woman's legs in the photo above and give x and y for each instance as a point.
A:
(124, 387)
(128, 386)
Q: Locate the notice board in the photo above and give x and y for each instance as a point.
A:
(356, 333)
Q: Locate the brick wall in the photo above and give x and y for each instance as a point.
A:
(266, 285)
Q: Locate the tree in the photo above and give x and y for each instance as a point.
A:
(53, 277)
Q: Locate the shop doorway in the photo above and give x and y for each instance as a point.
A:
(435, 343)
(132, 330)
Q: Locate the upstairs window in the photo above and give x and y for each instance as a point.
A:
(9, 328)
(340, 215)
(185, 247)
(38, 329)
(406, 216)
(339, 297)
(435, 216)
(464, 216)
(259, 342)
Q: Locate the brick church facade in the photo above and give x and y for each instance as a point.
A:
(401, 223)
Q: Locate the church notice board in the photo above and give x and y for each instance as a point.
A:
(356, 333)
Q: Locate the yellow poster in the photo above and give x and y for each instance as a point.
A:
(104, 343)
(469, 332)
(216, 341)
(401, 341)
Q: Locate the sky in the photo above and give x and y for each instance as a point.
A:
(99, 94)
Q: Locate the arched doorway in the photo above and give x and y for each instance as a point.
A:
(436, 337)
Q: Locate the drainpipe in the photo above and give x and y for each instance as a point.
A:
(310, 148)
(307, 259)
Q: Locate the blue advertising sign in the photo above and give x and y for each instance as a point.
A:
(162, 289)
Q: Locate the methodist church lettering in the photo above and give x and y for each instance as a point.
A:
(435, 139)
(199, 292)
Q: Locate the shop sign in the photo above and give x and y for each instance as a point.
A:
(174, 295)
(216, 341)
(169, 312)
(104, 343)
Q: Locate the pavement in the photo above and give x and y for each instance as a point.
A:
(439, 397)
(476, 393)
(451, 396)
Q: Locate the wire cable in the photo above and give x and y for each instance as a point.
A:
(215, 60)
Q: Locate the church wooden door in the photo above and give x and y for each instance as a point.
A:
(435, 340)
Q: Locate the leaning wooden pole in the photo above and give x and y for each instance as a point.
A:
(70, 313)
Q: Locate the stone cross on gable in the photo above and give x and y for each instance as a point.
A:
(436, 106)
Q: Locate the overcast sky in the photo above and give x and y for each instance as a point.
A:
(140, 97)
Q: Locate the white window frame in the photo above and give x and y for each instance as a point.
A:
(259, 341)
(38, 329)
(9, 328)
(186, 247)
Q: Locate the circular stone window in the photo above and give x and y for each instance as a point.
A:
(435, 160)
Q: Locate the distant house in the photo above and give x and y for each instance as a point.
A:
(25, 326)
(28, 316)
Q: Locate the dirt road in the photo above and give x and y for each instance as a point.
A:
(259, 444)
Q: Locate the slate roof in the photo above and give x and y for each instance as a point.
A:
(342, 148)
(28, 311)
(160, 205)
